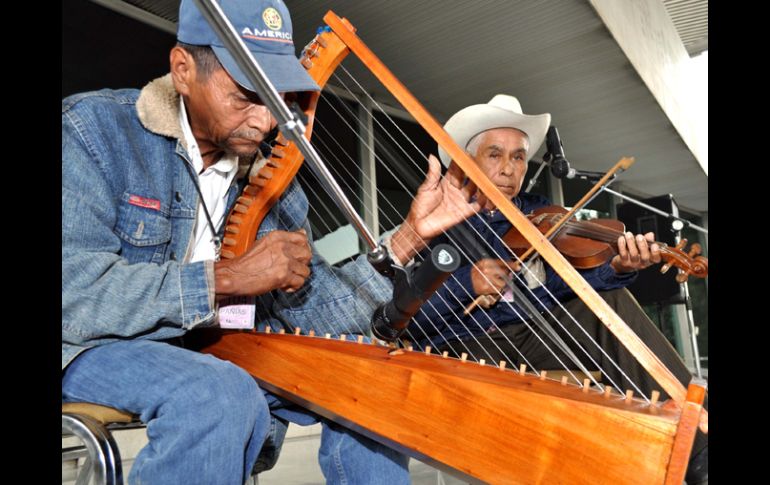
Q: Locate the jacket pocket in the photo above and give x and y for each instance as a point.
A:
(144, 232)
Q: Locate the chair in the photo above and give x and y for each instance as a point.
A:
(93, 425)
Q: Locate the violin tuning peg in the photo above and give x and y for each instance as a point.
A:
(665, 268)
(682, 244)
(681, 277)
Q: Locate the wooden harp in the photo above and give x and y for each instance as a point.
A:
(477, 420)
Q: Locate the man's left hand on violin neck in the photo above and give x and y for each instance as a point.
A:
(635, 252)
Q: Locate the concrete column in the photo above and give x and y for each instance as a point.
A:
(645, 32)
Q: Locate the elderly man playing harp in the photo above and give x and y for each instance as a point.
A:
(501, 139)
(147, 179)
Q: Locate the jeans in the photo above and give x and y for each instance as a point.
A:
(208, 419)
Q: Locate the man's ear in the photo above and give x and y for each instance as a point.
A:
(183, 72)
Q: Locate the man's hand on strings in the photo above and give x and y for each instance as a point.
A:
(440, 203)
(278, 261)
(489, 276)
(635, 253)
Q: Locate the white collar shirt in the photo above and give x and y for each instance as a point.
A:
(214, 183)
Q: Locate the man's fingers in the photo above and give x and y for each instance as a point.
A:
(469, 190)
(644, 250)
(454, 175)
(487, 301)
(433, 177)
(655, 253)
(299, 269)
(294, 283)
(300, 253)
(296, 277)
(654, 248)
(297, 237)
(623, 250)
(633, 251)
(497, 272)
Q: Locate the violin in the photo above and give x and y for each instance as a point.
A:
(588, 244)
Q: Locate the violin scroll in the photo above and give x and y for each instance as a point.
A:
(689, 263)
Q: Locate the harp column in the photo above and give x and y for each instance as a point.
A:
(368, 166)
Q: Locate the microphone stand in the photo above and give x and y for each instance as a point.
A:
(533, 179)
(677, 222)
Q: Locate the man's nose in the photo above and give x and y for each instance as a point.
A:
(261, 119)
(508, 166)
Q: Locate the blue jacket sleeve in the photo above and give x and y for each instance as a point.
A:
(336, 300)
(605, 278)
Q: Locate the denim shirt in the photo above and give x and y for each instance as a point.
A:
(128, 211)
(442, 318)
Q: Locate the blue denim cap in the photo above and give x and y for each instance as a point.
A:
(265, 27)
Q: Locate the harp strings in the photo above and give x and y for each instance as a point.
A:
(362, 325)
(392, 223)
(351, 176)
(320, 141)
(420, 257)
(415, 164)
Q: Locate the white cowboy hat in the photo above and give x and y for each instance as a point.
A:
(502, 111)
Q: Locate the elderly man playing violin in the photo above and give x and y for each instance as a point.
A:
(501, 140)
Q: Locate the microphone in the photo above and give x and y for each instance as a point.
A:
(555, 153)
(560, 167)
(412, 287)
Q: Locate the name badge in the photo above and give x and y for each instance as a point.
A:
(237, 312)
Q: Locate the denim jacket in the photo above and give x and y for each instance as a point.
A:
(128, 210)
(442, 319)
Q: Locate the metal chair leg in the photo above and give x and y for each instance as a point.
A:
(103, 454)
